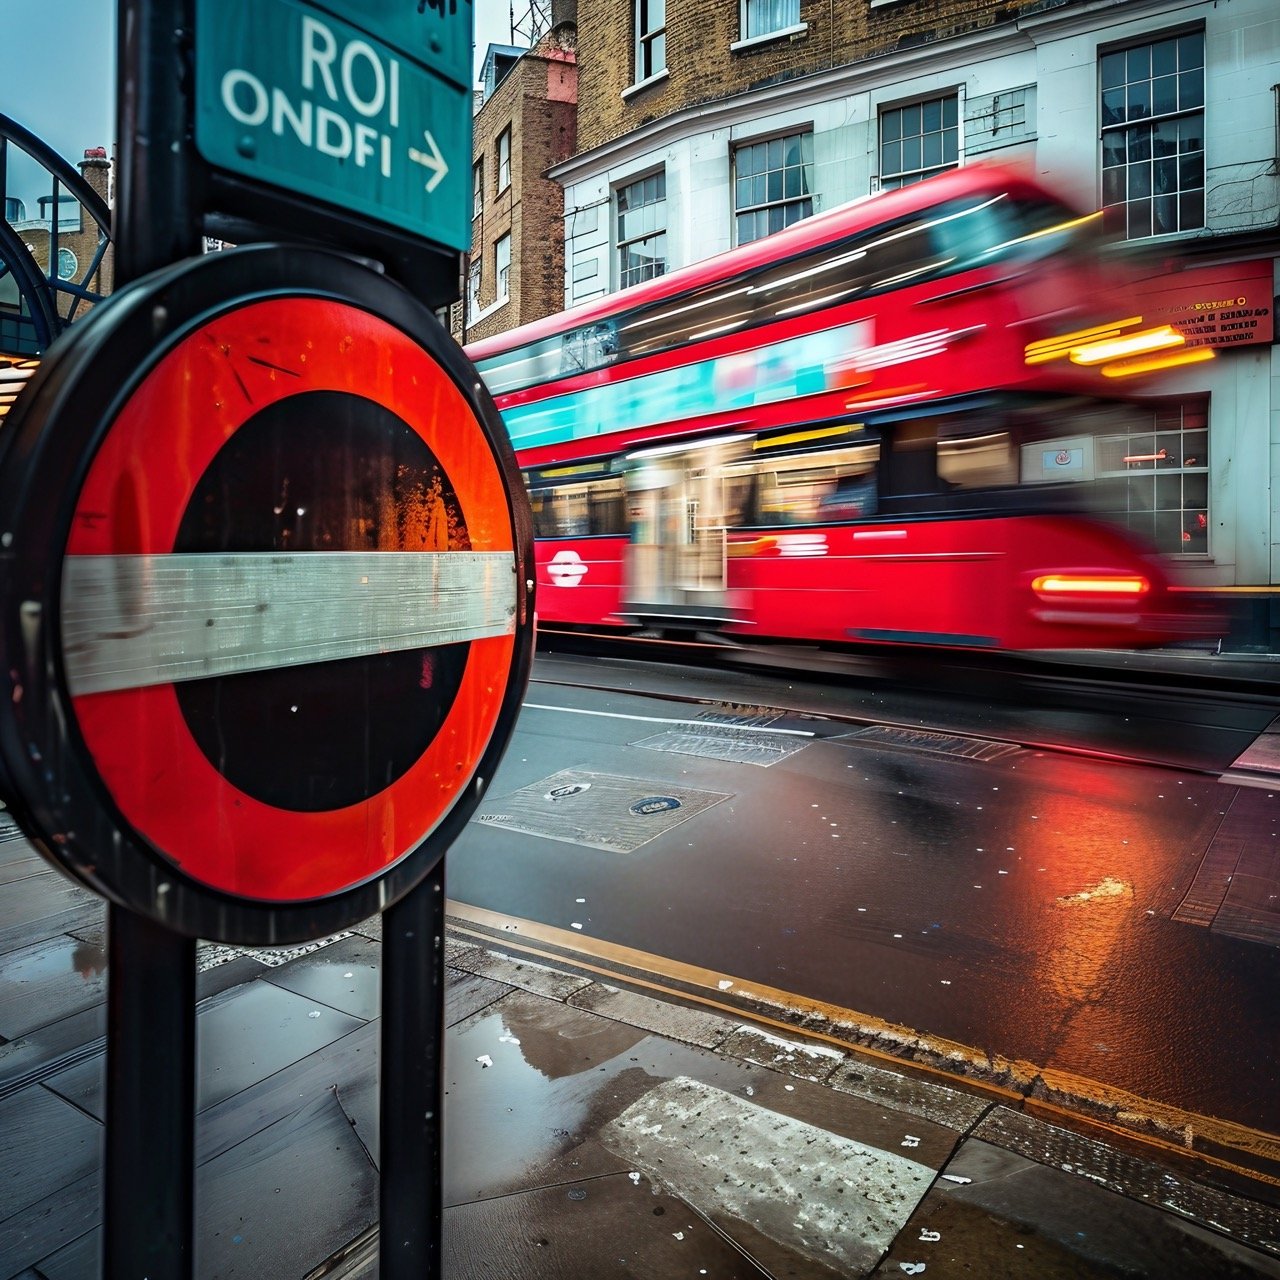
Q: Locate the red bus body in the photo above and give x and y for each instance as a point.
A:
(686, 441)
(580, 581)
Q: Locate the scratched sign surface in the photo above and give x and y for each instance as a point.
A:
(375, 119)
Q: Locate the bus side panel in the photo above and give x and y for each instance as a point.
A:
(580, 580)
(965, 582)
(931, 582)
(1055, 545)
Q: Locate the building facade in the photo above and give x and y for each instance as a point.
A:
(703, 124)
(526, 123)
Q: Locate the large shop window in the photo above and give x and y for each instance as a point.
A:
(1161, 470)
(1153, 137)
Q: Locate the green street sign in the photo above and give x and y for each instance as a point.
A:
(374, 118)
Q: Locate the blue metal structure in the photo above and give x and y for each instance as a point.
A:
(37, 301)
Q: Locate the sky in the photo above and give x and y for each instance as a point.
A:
(59, 71)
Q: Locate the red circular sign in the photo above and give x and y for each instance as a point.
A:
(140, 484)
(288, 592)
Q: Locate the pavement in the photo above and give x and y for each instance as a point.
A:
(593, 1127)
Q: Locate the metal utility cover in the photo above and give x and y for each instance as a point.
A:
(599, 810)
(725, 742)
(942, 744)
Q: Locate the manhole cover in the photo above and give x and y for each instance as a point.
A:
(599, 810)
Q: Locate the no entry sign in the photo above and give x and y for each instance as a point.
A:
(266, 611)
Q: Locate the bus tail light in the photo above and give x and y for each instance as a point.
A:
(1092, 586)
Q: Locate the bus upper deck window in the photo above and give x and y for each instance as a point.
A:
(589, 347)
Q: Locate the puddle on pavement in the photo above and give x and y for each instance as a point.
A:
(528, 1081)
(561, 1048)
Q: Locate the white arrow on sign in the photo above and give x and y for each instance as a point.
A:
(433, 161)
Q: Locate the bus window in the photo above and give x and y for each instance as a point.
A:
(589, 347)
(741, 496)
(671, 323)
(792, 496)
(579, 510)
(911, 462)
(980, 461)
(608, 508)
(996, 229)
(521, 366)
(806, 488)
(853, 497)
(877, 260)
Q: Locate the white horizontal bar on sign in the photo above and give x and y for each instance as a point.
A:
(136, 620)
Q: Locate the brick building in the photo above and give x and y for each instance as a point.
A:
(526, 123)
(637, 68)
(748, 114)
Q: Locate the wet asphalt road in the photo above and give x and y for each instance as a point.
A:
(1029, 901)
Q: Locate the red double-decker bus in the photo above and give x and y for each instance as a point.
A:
(879, 425)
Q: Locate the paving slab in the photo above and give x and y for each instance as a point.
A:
(604, 1226)
(997, 1214)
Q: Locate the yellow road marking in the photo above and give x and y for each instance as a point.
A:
(692, 984)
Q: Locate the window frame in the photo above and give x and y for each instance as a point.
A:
(1125, 133)
(626, 278)
(650, 35)
(502, 275)
(1192, 426)
(503, 174)
(891, 180)
(475, 277)
(477, 187)
(784, 201)
(748, 36)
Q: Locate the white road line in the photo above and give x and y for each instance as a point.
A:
(699, 724)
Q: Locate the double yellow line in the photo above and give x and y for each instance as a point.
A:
(1081, 1099)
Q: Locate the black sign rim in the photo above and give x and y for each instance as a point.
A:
(51, 437)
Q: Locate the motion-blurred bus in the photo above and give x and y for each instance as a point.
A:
(879, 425)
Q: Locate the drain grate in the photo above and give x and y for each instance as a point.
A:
(939, 744)
(599, 810)
(726, 743)
(744, 716)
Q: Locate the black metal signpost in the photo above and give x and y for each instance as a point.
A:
(265, 592)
